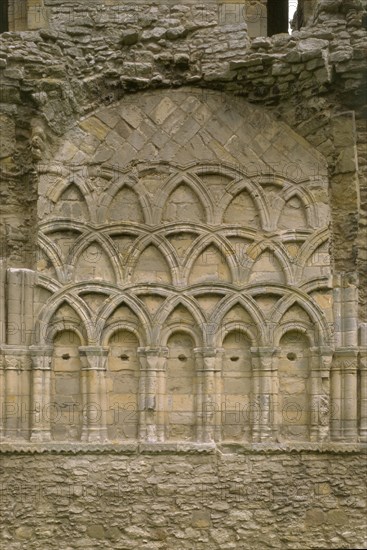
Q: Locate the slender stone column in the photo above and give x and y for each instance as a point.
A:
(20, 322)
(363, 394)
(346, 361)
(207, 369)
(2, 400)
(94, 359)
(152, 393)
(2, 302)
(264, 368)
(363, 383)
(218, 395)
(350, 397)
(41, 393)
(320, 393)
(336, 401)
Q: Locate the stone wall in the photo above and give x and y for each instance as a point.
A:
(220, 500)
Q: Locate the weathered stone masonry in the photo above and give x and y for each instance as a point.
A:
(182, 278)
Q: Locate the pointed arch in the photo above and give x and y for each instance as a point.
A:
(164, 247)
(308, 249)
(225, 250)
(307, 200)
(277, 252)
(312, 309)
(196, 186)
(151, 267)
(143, 328)
(44, 328)
(171, 303)
(249, 305)
(183, 205)
(135, 186)
(255, 192)
(52, 251)
(107, 245)
(242, 210)
(83, 198)
(293, 215)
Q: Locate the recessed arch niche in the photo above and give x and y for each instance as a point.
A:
(294, 372)
(66, 407)
(181, 387)
(122, 385)
(236, 386)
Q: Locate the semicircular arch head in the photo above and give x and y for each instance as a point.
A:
(232, 327)
(178, 328)
(297, 327)
(109, 332)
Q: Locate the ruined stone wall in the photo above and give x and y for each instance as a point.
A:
(309, 78)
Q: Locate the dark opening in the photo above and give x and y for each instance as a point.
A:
(277, 16)
(4, 21)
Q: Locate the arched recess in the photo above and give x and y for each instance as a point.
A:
(210, 266)
(71, 204)
(254, 193)
(181, 388)
(293, 215)
(194, 203)
(268, 269)
(123, 372)
(243, 211)
(179, 311)
(94, 263)
(294, 379)
(183, 205)
(66, 407)
(242, 310)
(123, 312)
(125, 207)
(152, 267)
(236, 386)
(320, 329)
(64, 312)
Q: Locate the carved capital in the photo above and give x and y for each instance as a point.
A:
(208, 357)
(363, 359)
(93, 357)
(264, 358)
(41, 357)
(153, 359)
(346, 359)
